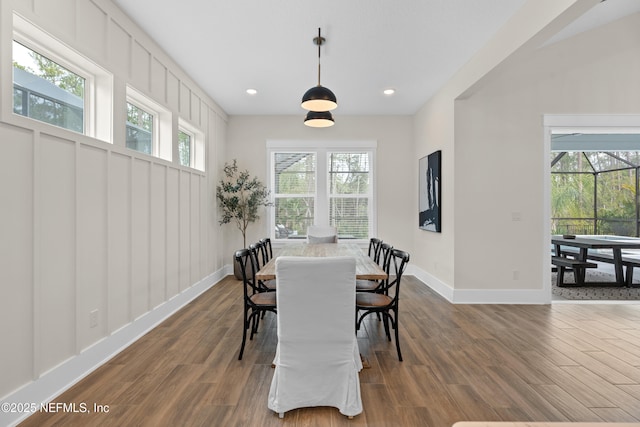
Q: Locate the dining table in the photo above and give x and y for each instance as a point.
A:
(590, 242)
(366, 268)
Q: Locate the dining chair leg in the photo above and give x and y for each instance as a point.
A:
(255, 319)
(385, 315)
(245, 325)
(397, 328)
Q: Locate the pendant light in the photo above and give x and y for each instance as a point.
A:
(319, 98)
(319, 119)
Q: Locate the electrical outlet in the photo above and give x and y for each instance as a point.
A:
(516, 274)
(93, 318)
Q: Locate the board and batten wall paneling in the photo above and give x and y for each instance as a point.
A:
(185, 235)
(119, 286)
(56, 196)
(158, 80)
(194, 111)
(91, 24)
(16, 258)
(173, 91)
(205, 250)
(173, 233)
(89, 226)
(91, 256)
(185, 101)
(119, 49)
(140, 236)
(141, 67)
(61, 14)
(158, 227)
(194, 223)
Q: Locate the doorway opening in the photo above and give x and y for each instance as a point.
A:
(592, 187)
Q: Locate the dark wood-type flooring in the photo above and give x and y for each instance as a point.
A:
(461, 362)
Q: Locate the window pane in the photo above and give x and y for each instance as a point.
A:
(293, 216)
(46, 91)
(295, 173)
(184, 148)
(294, 191)
(139, 129)
(18, 95)
(616, 202)
(349, 173)
(350, 215)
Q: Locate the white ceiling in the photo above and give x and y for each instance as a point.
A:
(413, 46)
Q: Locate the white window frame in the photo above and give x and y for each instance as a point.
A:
(196, 151)
(98, 91)
(162, 127)
(322, 149)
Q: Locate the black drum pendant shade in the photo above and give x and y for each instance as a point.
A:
(319, 119)
(319, 98)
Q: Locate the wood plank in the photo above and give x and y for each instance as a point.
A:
(539, 424)
(531, 363)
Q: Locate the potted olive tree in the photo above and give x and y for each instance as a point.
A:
(239, 197)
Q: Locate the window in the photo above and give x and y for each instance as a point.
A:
(45, 90)
(184, 148)
(148, 126)
(294, 193)
(322, 186)
(139, 129)
(349, 193)
(56, 85)
(190, 150)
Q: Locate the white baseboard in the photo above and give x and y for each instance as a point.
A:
(228, 269)
(65, 375)
(433, 282)
(501, 296)
(480, 296)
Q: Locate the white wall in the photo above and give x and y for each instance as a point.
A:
(490, 130)
(87, 225)
(247, 137)
(500, 148)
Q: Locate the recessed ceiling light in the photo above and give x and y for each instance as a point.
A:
(389, 91)
(252, 91)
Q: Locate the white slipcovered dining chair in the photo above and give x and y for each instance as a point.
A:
(317, 358)
(322, 234)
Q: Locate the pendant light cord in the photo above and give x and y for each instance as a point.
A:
(319, 44)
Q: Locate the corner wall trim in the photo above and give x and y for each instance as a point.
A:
(65, 375)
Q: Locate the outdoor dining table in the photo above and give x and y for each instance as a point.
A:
(366, 268)
(584, 243)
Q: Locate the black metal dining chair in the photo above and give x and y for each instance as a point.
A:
(375, 245)
(385, 302)
(267, 249)
(258, 253)
(256, 303)
(380, 254)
